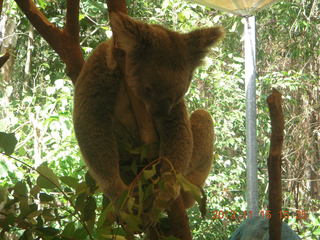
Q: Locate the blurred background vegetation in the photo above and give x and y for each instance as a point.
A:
(36, 105)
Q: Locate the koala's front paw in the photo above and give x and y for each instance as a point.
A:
(115, 189)
(168, 191)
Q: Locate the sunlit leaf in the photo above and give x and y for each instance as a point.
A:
(35, 190)
(47, 178)
(20, 189)
(189, 187)
(45, 183)
(70, 181)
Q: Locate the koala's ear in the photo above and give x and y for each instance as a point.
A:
(200, 40)
(129, 32)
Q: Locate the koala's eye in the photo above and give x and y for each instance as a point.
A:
(148, 91)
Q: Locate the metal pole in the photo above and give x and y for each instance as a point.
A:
(251, 138)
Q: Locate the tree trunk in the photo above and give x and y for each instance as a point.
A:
(27, 74)
(274, 164)
(9, 42)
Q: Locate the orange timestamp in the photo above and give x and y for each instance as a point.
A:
(233, 215)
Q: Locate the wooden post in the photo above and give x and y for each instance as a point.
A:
(274, 164)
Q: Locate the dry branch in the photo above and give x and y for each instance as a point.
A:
(274, 164)
(66, 41)
(72, 26)
(4, 58)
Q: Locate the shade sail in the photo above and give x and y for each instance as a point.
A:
(239, 7)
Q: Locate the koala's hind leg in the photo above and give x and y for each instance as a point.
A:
(95, 98)
(200, 165)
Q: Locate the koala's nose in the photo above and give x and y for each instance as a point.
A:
(164, 108)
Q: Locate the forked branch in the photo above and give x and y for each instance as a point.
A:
(64, 41)
(72, 26)
(274, 164)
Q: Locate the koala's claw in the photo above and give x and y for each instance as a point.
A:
(168, 192)
(115, 190)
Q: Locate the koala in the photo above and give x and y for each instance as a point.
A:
(155, 68)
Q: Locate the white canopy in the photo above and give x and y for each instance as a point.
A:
(239, 7)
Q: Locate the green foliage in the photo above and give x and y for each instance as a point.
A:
(40, 205)
(47, 193)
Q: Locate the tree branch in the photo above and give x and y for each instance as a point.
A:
(274, 164)
(47, 30)
(65, 42)
(72, 18)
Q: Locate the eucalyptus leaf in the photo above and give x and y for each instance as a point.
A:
(70, 181)
(8, 142)
(89, 209)
(20, 189)
(189, 187)
(47, 178)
